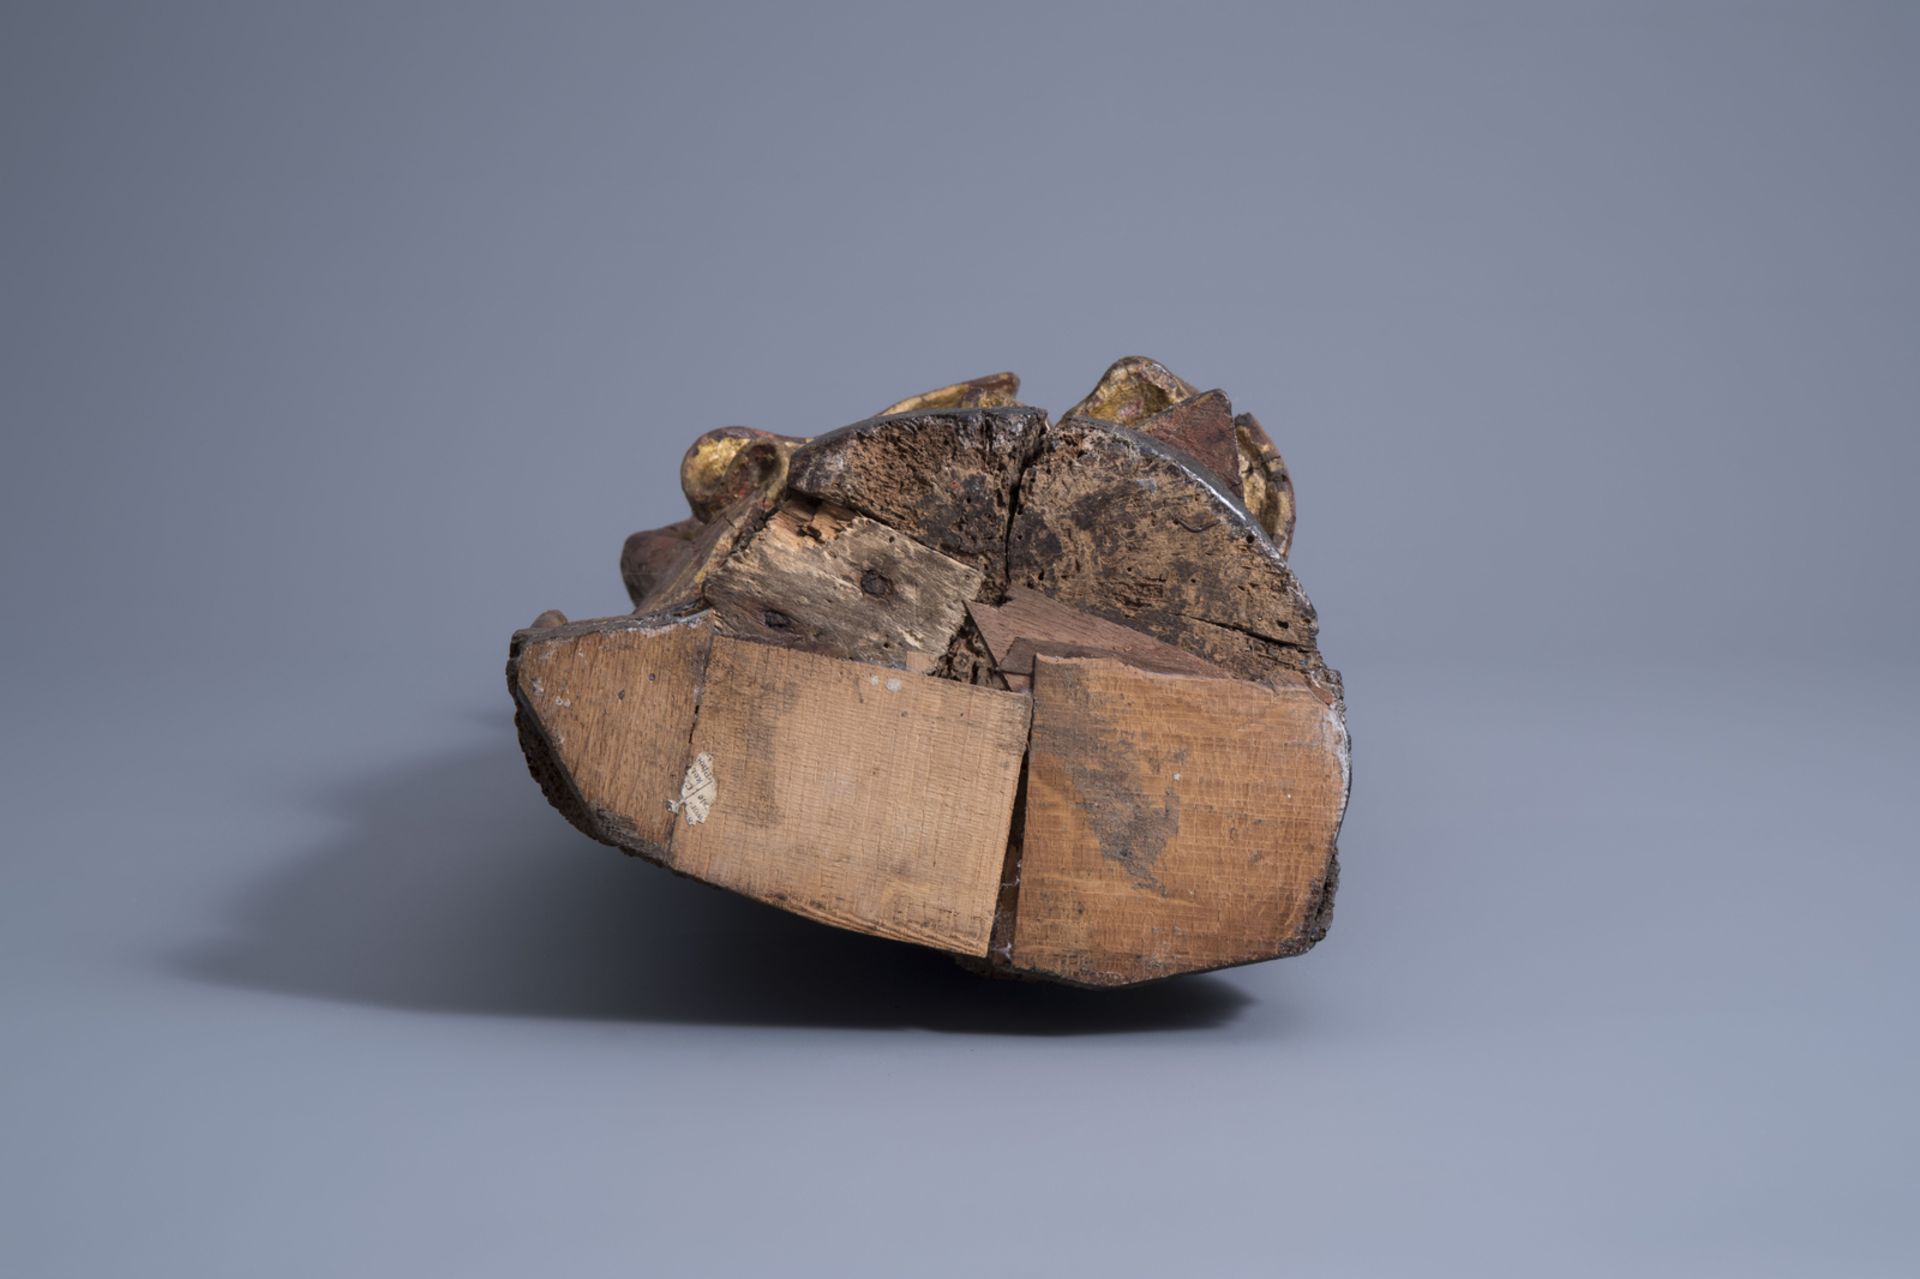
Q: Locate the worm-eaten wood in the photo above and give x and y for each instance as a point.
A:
(1124, 526)
(944, 478)
(1044, 695)
(820, 577)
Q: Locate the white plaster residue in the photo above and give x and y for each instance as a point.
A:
(697, 791)
(1338, 728)
(894, 686)
(874, 680)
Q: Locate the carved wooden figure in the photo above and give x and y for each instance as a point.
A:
(1044, 695)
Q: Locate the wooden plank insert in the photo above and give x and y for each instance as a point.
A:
(821, 578)
(860, 796)
(613, 701)
(1173, 823)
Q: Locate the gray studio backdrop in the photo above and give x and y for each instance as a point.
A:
(339, 340)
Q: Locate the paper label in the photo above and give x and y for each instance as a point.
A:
(697, 791)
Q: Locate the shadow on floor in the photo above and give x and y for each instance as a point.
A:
(454, 888)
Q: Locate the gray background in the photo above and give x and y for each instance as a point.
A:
(340, 340)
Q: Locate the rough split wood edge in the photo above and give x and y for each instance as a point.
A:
(1042, 694)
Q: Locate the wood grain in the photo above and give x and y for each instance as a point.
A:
(876, 801)
(681, 582)
(1203, 429)
(1173, 823)
(821, 578)
(647, 557)
(1121, 525)
(829, 732)
(1030, 623)
(606, 709)
(944, 478)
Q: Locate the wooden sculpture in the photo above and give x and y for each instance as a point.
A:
(1041, 694)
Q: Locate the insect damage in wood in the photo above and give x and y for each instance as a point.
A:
(1125, 527)
(1045, 695)
(945, 477)
(821, 577)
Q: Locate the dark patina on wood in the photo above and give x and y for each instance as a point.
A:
(819, 577)
(1127, 527)
(945, 478)
(1140, 767)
